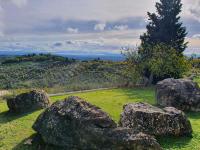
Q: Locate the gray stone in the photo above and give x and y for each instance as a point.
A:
(182, 94)
(143, 117)
(27, 102)
(77, 125)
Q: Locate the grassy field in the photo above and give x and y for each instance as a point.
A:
(14, 130)
(197, 80)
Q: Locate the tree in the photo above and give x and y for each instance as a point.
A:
(165, 26)
(134, 65)
(163, 63)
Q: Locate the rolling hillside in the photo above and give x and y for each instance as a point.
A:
(59, 73)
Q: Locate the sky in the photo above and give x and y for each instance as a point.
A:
(84, 26)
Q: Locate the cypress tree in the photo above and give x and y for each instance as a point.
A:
(165, 26)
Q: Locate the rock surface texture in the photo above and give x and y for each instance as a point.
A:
(142, 117)
(182, 94)
(78, 125)
(27, 102)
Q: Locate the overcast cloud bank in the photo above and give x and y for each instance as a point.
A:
(79, 26)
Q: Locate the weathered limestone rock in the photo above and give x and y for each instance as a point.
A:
(78, 125)
(143, 117)
(27, 102)
(182, 94)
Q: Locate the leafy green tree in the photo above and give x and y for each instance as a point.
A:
(165, 26)
(164, 62)
(134, 67)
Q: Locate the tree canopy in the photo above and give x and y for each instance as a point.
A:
(163, 63)
(165, 26)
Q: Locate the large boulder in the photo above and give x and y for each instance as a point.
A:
(76, 124)
(27, 102)
(143, 117)
(182, 94)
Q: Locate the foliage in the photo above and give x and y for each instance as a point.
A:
(161, 62)
(194, 72)
(57, 74)
(16, 129)
(134, 65)
(37, 58)
(165, 26)
(195, 62)
(166, 63)
(197, 79)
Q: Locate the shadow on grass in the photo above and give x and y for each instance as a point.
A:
(23, 146)
(7, 116)
(174, 142)
(34, 142)
(193, 115)
(143, 94)
(37, 144)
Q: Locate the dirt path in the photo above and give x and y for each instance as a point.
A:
(65, 93)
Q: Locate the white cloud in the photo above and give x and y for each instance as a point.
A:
(100, 27)
(19, 3)
(107, 40)
(1, 21)
(1, 34)
(195, 9)
(1, 9)
(52, 17)
(101, 10)
(196, 36)
(72, 30)
(121, 27)
(191, 9)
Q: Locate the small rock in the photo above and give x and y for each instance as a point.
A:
(182, 94)
(76, 124)
(142, 117)
(27, 102)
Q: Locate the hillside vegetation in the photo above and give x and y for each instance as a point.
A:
(48, 71)
(59, 74)
(36, 58)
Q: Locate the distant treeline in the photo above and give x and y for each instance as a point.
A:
(37, 58)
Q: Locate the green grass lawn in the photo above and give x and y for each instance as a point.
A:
(197, 79)
(14, 130)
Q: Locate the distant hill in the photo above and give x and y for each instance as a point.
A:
(36, 58)
(79, 56)
(49, 71)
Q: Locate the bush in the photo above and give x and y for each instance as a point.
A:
(195, 62)
(159, 63)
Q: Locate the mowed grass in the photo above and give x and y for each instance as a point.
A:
(15, 129)
(197, 79)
